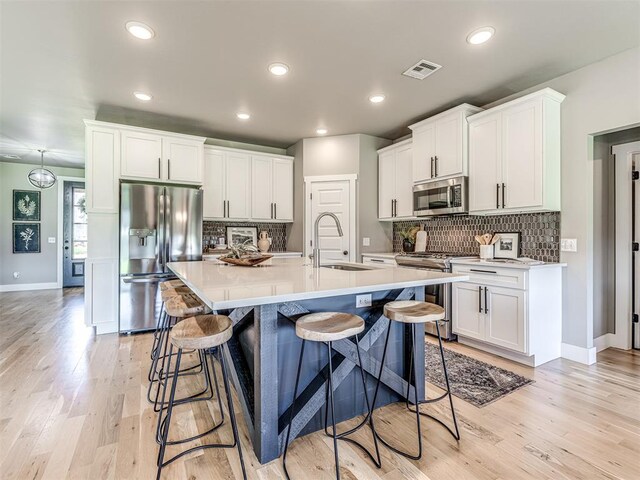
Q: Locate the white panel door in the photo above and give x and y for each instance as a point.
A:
(238, 185)
(331, 197)
(214, 195)
(261, 184)
(467, 318)
(522, 156)
(386, 184)
(424, 149)
(448, 146)
(184, 160)
(485, 164)
(404, 182)
(505, 324)
(282, 193)
(141, 156)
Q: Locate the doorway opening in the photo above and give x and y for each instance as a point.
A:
(74, 234)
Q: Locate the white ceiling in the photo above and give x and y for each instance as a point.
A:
(62, 62)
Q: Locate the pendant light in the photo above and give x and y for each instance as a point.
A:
(41, 177)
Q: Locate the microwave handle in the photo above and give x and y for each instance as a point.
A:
(449, 197)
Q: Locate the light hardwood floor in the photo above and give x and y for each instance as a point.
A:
(73, 406)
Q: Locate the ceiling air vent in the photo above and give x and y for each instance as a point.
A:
(422, 69)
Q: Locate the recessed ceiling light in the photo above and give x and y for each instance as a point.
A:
(377, 98)
(321, 131)
(243, 116)
(480, 35)
(278, 69)
(145, 97)
(140, 30)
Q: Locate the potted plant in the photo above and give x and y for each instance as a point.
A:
(408, 236)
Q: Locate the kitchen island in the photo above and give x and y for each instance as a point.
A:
(264, 302)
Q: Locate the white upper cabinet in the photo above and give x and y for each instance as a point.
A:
(168, 158)
(102, 154)
(395, 181)
(242, 185)
(514, 156)
(440, 144)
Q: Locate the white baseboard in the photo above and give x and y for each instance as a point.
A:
(603, 341)
(20, 287)
(579, 354)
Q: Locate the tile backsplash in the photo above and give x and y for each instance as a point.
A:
(539, 233)
(277, 231)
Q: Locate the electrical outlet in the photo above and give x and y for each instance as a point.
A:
(569, 244)
(363, 300)
(52, 239)
(366, 241)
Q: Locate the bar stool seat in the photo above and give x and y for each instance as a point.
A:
(167, 284)
(209, 335)
(185, 305)
(171, 292)
(328, 326)
(202, 331)
(412, 311)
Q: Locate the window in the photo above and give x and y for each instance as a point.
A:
(79, 230)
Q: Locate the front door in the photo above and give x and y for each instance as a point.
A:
(74, 234)
(331, 197)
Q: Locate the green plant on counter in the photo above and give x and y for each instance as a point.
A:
(409, 234)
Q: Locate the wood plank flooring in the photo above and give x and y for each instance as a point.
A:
(73, 406)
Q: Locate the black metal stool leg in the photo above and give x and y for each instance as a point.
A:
(167, 423)
(333, 413)
(293, 408)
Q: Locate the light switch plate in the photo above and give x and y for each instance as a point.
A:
(569, 244)
(51, 239)
(363, 300)
(366, 241)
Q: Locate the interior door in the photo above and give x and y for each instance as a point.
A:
(74, 234)
(522, 156)
(485, 164)
(332, 197)
(261, 183)
(238, 183)
(404, 182)
(635, 282)
(386, 183)
(505, 318)
(448, 146)
(468, 317)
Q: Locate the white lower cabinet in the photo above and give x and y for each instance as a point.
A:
(101, 294)
(521, 321)
(382, 261)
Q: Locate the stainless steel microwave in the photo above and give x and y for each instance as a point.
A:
(442, 197)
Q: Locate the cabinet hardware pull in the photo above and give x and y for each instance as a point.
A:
(486, 303)
(479, 299)
(497, 195)
(169, 168)
(503, 189)
(376, 260)
(436, 162)
(482, 271)
(228, 208)
(431, 167)
(275, 210)
(159, 168)
(272, 210)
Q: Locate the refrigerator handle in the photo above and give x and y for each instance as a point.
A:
(160, 238)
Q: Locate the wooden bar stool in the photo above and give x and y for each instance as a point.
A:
(413, 312)
(180, 303)
(328, 327)
(203, 333)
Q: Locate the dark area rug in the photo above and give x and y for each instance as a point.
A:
(471, 380)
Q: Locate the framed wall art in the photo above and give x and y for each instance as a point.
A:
(508, 246)
(240, 235)
(26, 238)
(26, 206)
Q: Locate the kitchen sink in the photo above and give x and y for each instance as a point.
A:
(346, 267)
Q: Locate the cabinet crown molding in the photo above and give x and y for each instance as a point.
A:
(463, 108)
(215, 148)
(393, 146)
(130, 128)
(548, 93)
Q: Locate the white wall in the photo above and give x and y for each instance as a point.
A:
(34, 268)
(601, 97)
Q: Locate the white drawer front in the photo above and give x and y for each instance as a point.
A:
(379, 261)
(490, 275)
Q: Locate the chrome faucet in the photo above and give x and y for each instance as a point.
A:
(316, 247)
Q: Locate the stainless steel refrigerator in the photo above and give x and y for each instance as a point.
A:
(158, 224)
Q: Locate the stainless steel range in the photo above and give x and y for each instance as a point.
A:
(438, 294)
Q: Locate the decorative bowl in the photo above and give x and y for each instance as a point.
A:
(247, 261)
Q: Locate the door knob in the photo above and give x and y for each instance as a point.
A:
(345, 252)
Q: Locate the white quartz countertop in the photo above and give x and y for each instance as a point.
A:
(224, 286)
(504, 264)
